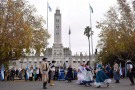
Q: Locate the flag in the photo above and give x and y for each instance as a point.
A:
(2, 72)
(27, 67)
(91, 8)
(120, 69)
(50, 9)
(27, 72)
(69, 31)
(35, 67)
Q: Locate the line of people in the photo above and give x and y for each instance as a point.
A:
(12, 74)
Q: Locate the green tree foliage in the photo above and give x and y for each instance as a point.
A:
(117, 37)
(21, 30)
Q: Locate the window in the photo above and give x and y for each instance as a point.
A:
(57, 20)
(57, 27)
(14, 63)
(21, 61)
(74, 61)
(35, 62)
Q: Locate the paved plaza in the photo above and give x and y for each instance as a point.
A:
(62, 85)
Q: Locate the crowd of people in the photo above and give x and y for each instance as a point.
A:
(27, 74)
(84, 74)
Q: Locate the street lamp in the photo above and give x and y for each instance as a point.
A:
(87, 32)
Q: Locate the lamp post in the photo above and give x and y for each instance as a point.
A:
(87, 32)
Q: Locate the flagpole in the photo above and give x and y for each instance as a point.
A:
(69, 40)
(47, 15)
(47, 24)
(91, 33)
(70, 47)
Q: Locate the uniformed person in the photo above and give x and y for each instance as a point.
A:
(44, 69)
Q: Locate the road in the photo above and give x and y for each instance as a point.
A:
(62, 85)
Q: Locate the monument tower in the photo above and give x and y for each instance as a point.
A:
(57, 49)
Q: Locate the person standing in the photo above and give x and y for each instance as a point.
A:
(130, 72)
(37, 73)
(61, 75)
(56, 73)
(69, 75)
(17, 72)
(107, 70)
(12, 74)
(44, 71)
(7, 74)
(116, 73)
(31, 74)
(75, 74)
(40, 75)
(52, 73)
(49, 73)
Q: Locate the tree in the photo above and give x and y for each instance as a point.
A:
(118, 32)
(87, 32)
(21, 31)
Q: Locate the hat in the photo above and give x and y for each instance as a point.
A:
(53, 61)
(44, 59)
(129, 62)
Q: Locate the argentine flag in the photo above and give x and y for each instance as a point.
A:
(91, 9)
(27, 72)
(120, 70)
(48, 6)
(2, 72)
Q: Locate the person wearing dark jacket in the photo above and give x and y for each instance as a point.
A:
(130, 69)
(12, 74)
(69, 75)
